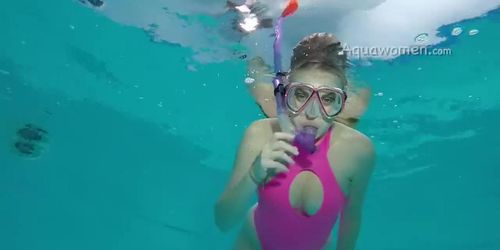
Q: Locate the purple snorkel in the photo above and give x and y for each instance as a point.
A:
(304, 139)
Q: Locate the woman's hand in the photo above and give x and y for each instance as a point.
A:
(275, 156)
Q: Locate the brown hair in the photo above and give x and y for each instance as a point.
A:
(321, 51)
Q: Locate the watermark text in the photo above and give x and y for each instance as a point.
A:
(394, 51)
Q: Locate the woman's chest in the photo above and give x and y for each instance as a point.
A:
(308, 191)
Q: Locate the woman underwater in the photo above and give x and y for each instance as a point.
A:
(301, 194)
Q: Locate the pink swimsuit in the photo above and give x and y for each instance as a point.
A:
(279, 226)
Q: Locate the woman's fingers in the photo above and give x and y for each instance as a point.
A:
(277, 154)
(283, 136)
(286, 147)
(282, 157)
(275, 167)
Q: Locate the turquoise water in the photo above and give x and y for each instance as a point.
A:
(139, 146)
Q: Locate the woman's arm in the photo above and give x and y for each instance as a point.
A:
(350, 221)
(262, 89)
(233, 203)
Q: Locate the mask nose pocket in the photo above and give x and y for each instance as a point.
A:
(306, 194)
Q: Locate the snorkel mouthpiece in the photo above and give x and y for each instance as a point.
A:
(304, 139)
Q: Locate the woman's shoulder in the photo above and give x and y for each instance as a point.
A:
(346, 136)
(355, 149)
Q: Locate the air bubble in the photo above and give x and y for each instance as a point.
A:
(421, 38)
(473, 32)
(249, 80)
(456, 31)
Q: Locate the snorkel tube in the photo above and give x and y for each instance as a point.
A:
(305, 138)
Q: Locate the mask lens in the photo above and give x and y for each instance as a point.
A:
(297, 97)
(331, 100)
